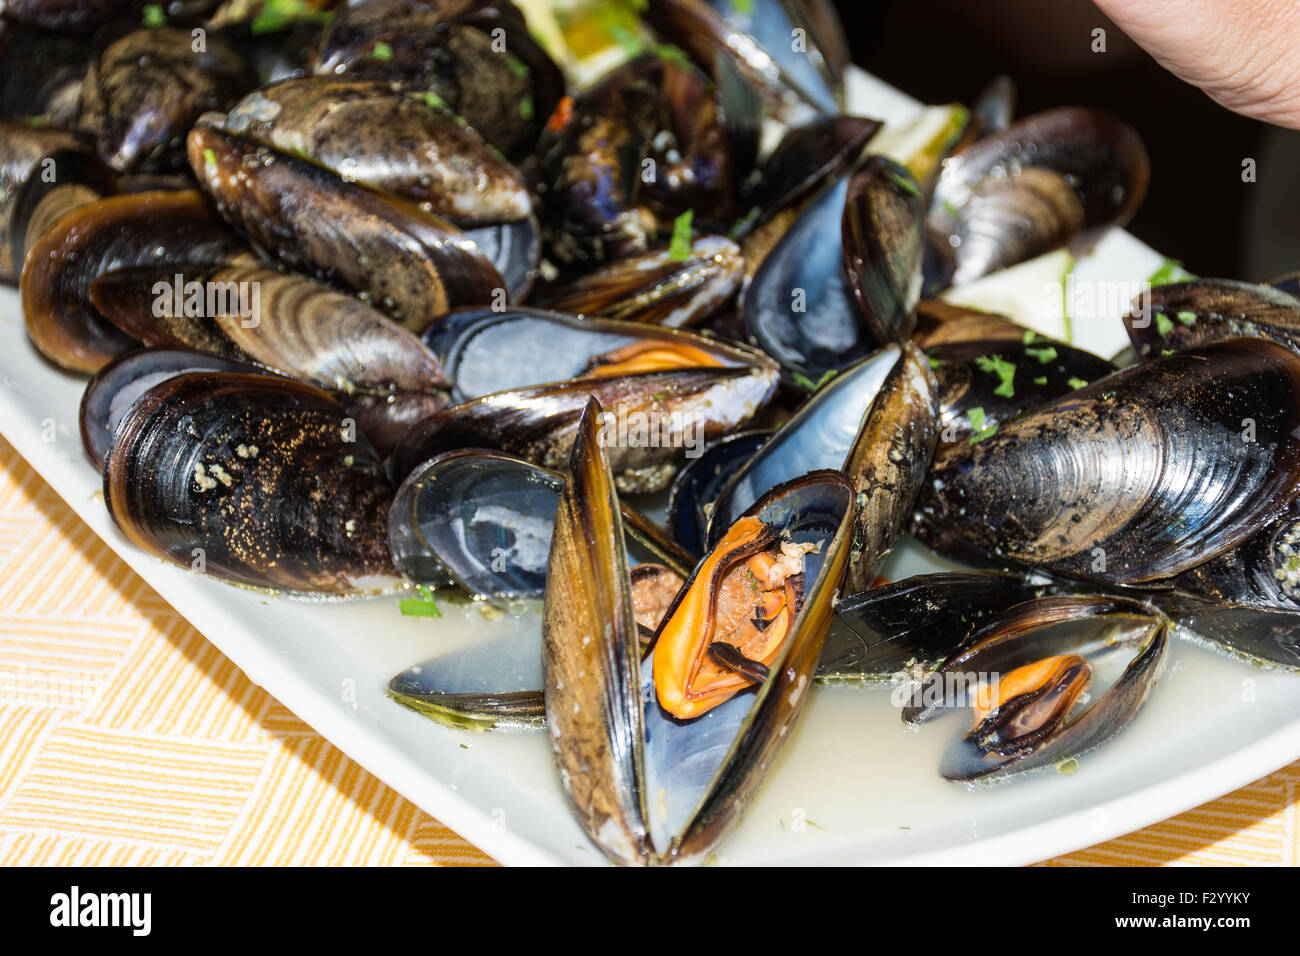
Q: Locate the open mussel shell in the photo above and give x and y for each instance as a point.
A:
(877, 422)
(699, 483)
(800, 307)
(1259, 635)
(484, 351)
(1027, 673)
(987, 383)
(1060, 176)
(756, 36)
(885, 631)
(409, 264)
(615, 750)
(152, 228)
(1136, 477)
(883, 235)
(661, 286)
(252, 479)
(1185, 314)
(290, 323)
(115, 387)
(515, 249)
(393, 140)
(146, 89)
(484, 519)
(36, 162)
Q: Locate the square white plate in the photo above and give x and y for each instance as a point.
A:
(852, 786)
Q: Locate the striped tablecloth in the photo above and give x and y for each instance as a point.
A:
(126, 738)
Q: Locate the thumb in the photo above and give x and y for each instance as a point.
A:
(1240, 52)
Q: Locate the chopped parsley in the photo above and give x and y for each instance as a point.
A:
(679, 250)
(804, 381)
(152, 15)
(1164, 324)
(1041, 380)
(1004, 370)
(1044, 355)
(423, 606)
(209, 159)
(276, 15)
(979, 425)
(906, 183)
(526, 108)
(1076, 383)
(1187, 318)
(381, 51)
(1171, 270)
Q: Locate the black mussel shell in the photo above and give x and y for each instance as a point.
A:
(253, 479)
(409, 264)
(156, 229)
(1119, 644)
(116, 386)
(698, 484)
(1136, 477)
(449, 50)
(41, 73)
(1184, 314)
(883, 631)
(44, 172)
(146, 90)
(1060, 176)
(394, 140)
(71, 16)
(991, 382)
(883, 234)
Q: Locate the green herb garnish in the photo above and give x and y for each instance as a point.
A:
(1187, 318)
(679, 250)
(209, 159)
(152, 15)
(672, 54)
(423, 606)
(1044, 355)
(1167, 352)
(1004, 370)
(518, 67)
(906, 183)
(1041, 380)
(1164, 324)
(979, 425)
(1076, 383)
(526, 108)
(276, 15)
(434, 101)
(803, 381)
(381, 51)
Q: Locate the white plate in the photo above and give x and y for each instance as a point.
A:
(852, 786)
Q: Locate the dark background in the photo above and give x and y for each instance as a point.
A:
(1197, 209)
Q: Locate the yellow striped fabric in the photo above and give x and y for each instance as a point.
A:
(128, 739)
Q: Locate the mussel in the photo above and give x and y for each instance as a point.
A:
(646, 786)
(1139, 476)
(1184, 314)
(253, 479)
(1047, 681)
(410, 264)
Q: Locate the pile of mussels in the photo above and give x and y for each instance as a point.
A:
(376, 294)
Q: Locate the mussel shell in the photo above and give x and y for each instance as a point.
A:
(157, 229)
(449, 50)
(1136, 477)
(70, 16)
(483, 520)
(409, 264)
(146, 90)
(1057, 176)
(1185, 314)
(699, 483)
(36, 161)
(757, 35)
(884, 631)
(659, 287)
(1262, 571)
(799, 307)
(41, 73)
(821, 435)
(612, 746)
(515, 249)
(112, 390)
(538, 423)
(1259, 636)
(484, 351)
(975, 375)
(370, 132)
(883, 235)
(1067, 624)
(260, 479)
